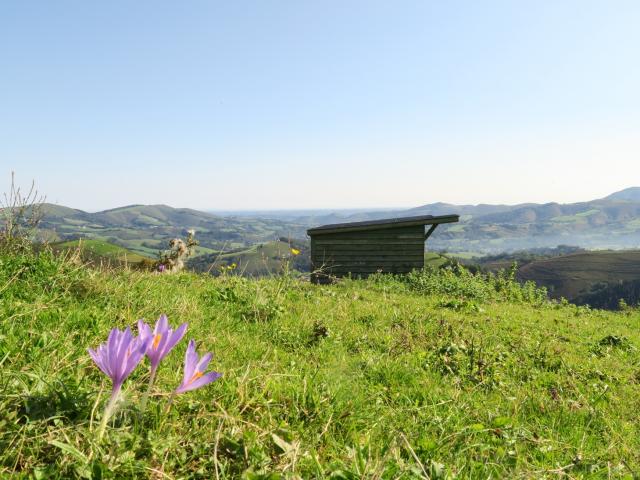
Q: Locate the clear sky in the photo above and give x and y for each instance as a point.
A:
(319, 104)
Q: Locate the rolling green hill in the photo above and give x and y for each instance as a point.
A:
(98, 249)
(609, 223)
(503, 261)
(631, 194)
(146, 229)
(154, 215)
(570, 275)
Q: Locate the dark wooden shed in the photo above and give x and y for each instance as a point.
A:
(394, 245)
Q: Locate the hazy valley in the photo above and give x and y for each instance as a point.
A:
(612, 222)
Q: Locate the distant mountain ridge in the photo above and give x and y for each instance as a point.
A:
(631, 194)
(610, 222)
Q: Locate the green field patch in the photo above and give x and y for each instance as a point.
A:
(588, 213)
(577, 218)
(633, 224)
(75, 221)
(456, 228)
(465, 255)
(136, 246)
(199, 250)
(145, 219)
(101, 248)
(567, 219)
(432, 259)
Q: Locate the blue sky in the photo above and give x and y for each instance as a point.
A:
(301, 104)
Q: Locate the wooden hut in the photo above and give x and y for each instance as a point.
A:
(394, 245)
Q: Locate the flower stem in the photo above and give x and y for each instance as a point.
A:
(145, 397)
(170, 401)
(108, 411)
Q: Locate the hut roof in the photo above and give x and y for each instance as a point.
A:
(383, 224)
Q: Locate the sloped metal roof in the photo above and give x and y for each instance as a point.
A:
(386, 223)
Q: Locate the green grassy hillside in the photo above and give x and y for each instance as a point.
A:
(271, 258)
(98, 249)
(569, 275)
(262, 260)
(267, 259)
(438, 374)
(145, 229)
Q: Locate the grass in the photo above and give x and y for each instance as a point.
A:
(438, 374)
(265, 258)
(434, 259)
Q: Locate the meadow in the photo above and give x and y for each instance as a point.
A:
(436, 374)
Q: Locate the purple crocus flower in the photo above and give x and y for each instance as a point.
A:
(163, 339)
(117, 358)
(119, 355)
(194, 367)
(161, 268)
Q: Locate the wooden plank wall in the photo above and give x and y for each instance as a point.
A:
(391, 250)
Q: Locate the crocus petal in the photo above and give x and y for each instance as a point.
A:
(194, 375)
(137, 353)
(123, 352)
(144, 330)
(204, 361)
(112, 340)
(175, 337)
(119, 355)
(163, 339)
(190, 361)
(205, 379)
(162, 325)
(95, 356)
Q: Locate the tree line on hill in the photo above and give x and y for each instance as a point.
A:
(611, 296)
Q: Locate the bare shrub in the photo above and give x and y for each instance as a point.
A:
(20, 215)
